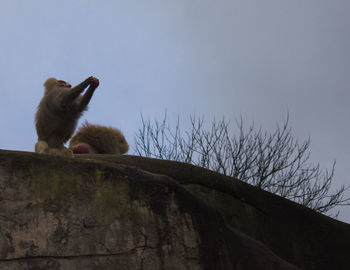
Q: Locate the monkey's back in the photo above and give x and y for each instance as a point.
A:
(54, 124)
(106, 140)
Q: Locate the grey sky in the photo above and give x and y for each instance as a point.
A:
(258, 59)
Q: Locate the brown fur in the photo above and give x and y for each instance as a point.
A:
(43, 148)
(100, 139)
(58, 113)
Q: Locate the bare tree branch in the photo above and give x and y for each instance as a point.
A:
(273, 161)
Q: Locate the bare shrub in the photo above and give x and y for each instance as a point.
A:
(273, 161)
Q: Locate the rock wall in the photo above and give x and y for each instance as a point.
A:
(293, 232)
(125, 212)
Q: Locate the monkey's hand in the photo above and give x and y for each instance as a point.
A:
(93, 81)
(96, 81)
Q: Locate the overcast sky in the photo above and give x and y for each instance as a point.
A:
(258, 59)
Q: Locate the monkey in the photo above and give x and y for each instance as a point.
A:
(58, 112)
(96, 139)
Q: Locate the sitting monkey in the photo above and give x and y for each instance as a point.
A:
(95, 139)
(56, 120)
(58, 113)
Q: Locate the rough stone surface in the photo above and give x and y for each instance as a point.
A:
(124, 212)
(295, 233)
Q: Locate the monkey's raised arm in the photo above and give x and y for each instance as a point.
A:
(73, 93)
(86, 98)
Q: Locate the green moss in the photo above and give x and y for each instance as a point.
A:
(54, 185)
(102, 190)
(110, 198)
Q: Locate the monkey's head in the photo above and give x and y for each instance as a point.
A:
(122, 147)
(61, 83)
(53, 83)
